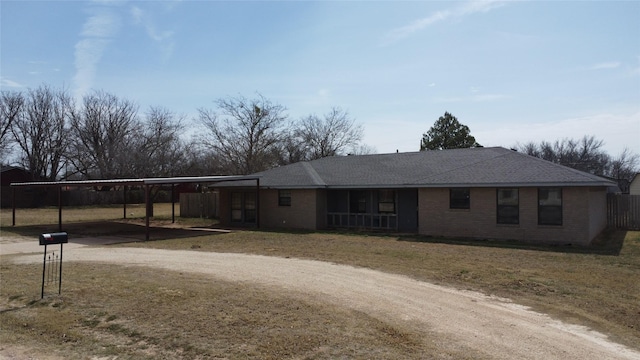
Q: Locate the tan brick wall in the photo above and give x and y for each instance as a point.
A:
(597, 211)
(300, 215)
(582, 216)
(321, 206)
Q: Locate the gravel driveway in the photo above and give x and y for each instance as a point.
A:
(487, 324)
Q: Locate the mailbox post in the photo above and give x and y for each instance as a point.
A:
(52, 239)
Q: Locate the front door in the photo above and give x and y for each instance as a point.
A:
(408, 210)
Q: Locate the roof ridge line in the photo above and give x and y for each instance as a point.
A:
(317, 179)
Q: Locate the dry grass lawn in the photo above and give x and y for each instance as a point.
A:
(106, 310)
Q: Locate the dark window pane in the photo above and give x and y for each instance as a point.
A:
(459, 198)
(358, 202)
(508, 211)
(284, 198)
(386, 201)
(236, 201)
(550, 206)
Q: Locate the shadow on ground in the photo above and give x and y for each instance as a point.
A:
(610, 242)
(111, 232)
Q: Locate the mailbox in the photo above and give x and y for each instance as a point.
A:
(54, 238)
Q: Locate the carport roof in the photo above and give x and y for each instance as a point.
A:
(143, 181)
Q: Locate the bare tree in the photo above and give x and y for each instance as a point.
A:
(40, 130)
(586, 154)
(363, 149)
(201, 160)
(11, 104)
(333, 134)
(246, 134)
(292, 148)
(158, 149)
(624, 167)
(103, 130)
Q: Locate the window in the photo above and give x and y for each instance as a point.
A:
(387, 201)
(459, 198)
(508, 211)
(236, 207)
(358, 202)
(243, 207)
(284, 198)
(550, 206)
(250, 207)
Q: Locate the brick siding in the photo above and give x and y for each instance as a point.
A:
(583, 216)
(302, 214)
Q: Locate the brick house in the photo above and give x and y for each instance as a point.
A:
(483, 193)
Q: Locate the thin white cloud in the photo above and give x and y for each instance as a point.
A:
(606, 65)
(164, 39)
(10, 83)
(97, 32)
(466, 9)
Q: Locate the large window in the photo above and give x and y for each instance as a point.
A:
(284, 197)
(250, 207)
(508, 211)
(243, 207)
(236, 207)
(550, 206)
(387, 201)
(459, 198)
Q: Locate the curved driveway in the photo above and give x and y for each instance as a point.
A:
(489, 325)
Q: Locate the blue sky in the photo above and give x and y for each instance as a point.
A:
(512, 71)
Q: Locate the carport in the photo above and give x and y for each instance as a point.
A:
(147, 183)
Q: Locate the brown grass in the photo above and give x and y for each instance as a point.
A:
(109, 310)
(145, 313)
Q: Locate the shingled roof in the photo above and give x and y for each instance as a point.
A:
(474, 167)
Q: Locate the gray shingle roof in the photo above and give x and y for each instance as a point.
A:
(475, 167)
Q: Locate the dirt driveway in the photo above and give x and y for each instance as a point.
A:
(490, 325)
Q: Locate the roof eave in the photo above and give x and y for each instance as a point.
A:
(446, 185)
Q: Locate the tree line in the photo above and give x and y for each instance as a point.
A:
(45, 131)
(105, 136)
(584, 154)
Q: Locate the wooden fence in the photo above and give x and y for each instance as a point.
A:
(202, 205)
(623, 211)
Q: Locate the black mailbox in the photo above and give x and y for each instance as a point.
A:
(54, 238)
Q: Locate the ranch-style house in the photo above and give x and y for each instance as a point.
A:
(482, 193)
